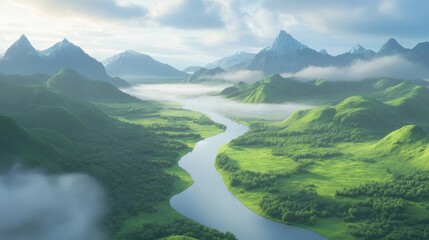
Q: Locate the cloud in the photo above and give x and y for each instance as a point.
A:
(35, 206)
(106, 9)
(199, 97)
(188, 14)
(405, 18)
(246, 76)
(390, 67)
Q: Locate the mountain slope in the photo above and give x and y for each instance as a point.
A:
(39, 107)
(74, 84)
(392, 47)
(205, 74)
(19, 146)
(134, 64)
(191, 69)
(232, 61)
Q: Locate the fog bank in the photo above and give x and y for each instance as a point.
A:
(384, 67)
(203, 98)
(35, 206)
(246, 76)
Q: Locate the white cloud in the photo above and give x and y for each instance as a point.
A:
(106, 9)
(390, 67)
(35, 206)
(188, 14)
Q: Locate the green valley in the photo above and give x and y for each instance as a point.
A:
(67, 123)
(354, 170)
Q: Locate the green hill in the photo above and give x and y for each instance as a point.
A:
(406, 137)
(39, 107)
(19, 146)
(355, 112)
(74, 84)
(277, 89)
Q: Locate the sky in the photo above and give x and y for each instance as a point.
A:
(195, 32)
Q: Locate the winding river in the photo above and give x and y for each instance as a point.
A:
(209, 202)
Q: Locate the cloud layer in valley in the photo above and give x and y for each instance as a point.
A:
(35, 206)
(246, 76)
(203, 98)
(389, 67)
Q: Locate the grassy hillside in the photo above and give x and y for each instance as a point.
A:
(130, 147)
(17, 146)
(39, 107)
(74, 84)
(355, 170)
(276, 89)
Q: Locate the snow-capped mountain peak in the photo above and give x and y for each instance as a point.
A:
(65, 46)
(285, 44)
(358, 49)
(125, 55)
(19, 48)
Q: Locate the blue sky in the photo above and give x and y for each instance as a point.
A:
(195, 32)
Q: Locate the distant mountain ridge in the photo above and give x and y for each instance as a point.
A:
(22, 58)
(286, 54)
(204, 74)
(135, 64)
(232, 61)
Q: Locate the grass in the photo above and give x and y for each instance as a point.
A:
(335, 228)
(254, 159)
(353, 166)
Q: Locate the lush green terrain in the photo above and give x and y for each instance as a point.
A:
(276, 89)
(358, 169)
(130, 146)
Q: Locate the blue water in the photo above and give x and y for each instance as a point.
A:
(209, 202)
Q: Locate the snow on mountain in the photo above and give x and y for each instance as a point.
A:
(64, 46)
(358, 49)
(285, 44)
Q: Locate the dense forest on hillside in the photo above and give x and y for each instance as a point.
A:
(130, 146)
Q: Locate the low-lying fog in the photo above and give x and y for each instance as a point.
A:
(204, 98)
(36, 206)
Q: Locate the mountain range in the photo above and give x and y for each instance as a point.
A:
(131, 64)
(287, 54)
(22, 58)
